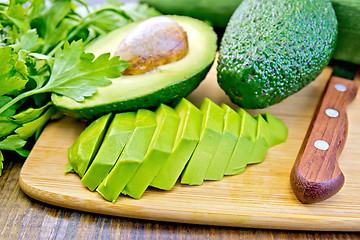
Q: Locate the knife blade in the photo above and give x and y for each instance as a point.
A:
(316, 174)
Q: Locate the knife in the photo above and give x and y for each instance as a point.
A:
(316, 174)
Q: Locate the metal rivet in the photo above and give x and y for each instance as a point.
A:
(321, 144)
(332, 112)
(340, 87)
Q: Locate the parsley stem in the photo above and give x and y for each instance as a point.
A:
(19, 97)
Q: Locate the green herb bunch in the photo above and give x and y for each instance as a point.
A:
(42, 52)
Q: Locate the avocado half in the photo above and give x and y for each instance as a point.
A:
(165, 84)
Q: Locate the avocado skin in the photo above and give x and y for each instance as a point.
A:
(348, 45)
(218, 12)
(169, 96)
(272, 49)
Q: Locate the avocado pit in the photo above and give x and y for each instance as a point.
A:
(154, 42)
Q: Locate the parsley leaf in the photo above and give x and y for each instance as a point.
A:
(76, 75)
(29, 41)
(7, 127)
(12, 143)
(1, 162)
(9, 111)
(12, 72)
(12, 84)
(28, 129)
(5, 59)
(16, 14)
(29, 114)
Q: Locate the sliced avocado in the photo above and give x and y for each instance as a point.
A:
(85, 147)
(158, 152)
(272, 49)
(245, 145)
(165, 84)
(186, 140)
(114, 141)
(226, 146)
(131, 157)
(278, 130)
(211, 133)
(262, 140)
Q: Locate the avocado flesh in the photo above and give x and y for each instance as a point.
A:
(272, 49)
(114, 141)
(165, 84)
(186, 140)
(226, 146)
(245, 145)
(158, 152)
(211, 133)
(262, 140)
(85, 147)
(278, 130)
(131, 157)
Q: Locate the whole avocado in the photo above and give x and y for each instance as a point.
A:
(348, 42)
(215, 11)
(272, 49)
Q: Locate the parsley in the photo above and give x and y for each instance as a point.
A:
(1, 161)
(42, 52)
(75, 74)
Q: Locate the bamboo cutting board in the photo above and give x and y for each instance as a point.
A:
(261, 197)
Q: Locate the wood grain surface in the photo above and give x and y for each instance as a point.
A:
(22, 217)
(259, 198)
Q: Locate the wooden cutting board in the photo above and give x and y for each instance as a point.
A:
(261, 197)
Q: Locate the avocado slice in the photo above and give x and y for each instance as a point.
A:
(226, 146)
(165, 84)
(278, 130)
(158, 152)
(211, 133)
(186, 140)
(114, 141)
(85, 147)
(245, 145)
(272, 49)
(262, 140)
(131, 157)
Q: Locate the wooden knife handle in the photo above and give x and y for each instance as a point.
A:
(316, 175)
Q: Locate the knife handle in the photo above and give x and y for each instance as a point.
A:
(316, 174)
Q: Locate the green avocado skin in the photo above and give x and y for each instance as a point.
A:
(272, 49)
(169, 96)
(348, 45)
(218, 12)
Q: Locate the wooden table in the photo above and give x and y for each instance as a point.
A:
(24, 218)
